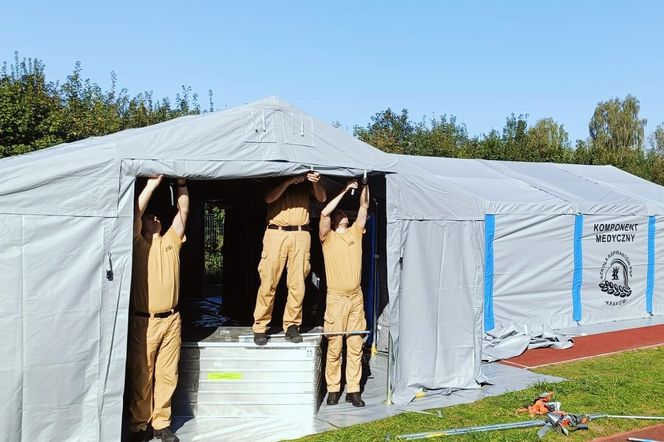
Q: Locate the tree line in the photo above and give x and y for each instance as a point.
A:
(37, 113)
(616, 137)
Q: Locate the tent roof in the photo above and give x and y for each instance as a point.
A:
(268, 137)
(520, 187)
(265, 130)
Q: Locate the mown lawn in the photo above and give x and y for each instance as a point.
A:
(630, 383)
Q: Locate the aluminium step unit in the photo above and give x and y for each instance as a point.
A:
(226, 375)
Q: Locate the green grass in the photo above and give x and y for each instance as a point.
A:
(630, 383)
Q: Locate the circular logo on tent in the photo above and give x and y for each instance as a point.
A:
(614, 278)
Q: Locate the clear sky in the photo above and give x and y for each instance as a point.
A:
(347, 60)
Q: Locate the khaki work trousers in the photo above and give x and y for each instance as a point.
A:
(154, 353)
(281, 249)
(344, 312)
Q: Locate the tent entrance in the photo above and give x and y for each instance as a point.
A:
(225, 231)
(219, 277)
(218, 285)
(219, 262)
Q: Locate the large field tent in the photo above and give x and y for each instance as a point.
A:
(66, 249)
(469, 245)
(485, 244)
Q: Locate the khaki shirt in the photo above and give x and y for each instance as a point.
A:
(292, 207)
(156, 273)
(343, 259)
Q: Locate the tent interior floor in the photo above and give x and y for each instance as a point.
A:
(596, 340)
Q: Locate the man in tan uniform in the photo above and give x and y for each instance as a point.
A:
(286, 242)
(154, 334)
(344, 312)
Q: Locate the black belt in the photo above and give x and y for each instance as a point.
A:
(157, 315)
(289, 228)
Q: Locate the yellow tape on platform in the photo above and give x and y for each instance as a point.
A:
(224, 376)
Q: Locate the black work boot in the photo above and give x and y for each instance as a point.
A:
(293, 335)
(139, 436)
(355, 399)
(260, 338)
(166, 435)
(333, 397)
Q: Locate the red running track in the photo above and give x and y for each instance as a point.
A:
(654, 433)
(592, 345)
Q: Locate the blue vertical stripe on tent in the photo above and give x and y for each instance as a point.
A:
(489, 233)
(578, 268)
(650, 284)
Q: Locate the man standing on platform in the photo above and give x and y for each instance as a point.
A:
(286, 242)
(344, 312)
(154, 327)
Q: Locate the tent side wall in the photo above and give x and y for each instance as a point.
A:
(62, 181)
(63, 320)
(436, 298)
(114, 313)
(60, 294)
(615, 268)
(11, 324)
(533, 271)
(538, 260)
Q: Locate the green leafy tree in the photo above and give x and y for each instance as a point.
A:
(656, 167)
(548, 141)
(214, 243)
(657, 139)
(27, 102)
(86, 109)
(515, 139)
(582, 153)
(35, 113)
(442, 137)
(616, 125)
(617, 137)
(491, 146)
(388, 131)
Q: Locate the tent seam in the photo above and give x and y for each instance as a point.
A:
(23, 346)
(523, 180)
(300, 163)
(609, 186)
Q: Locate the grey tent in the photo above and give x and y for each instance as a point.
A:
(478, 245)
(470, 245)
(66, 252)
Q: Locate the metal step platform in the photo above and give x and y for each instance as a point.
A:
(222, 373)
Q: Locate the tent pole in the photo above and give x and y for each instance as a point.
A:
(376, 292)
(388, 383)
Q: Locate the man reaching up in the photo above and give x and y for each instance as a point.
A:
(344, 312)
(154, 327)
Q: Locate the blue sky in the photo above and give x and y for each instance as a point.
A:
(347, 60)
